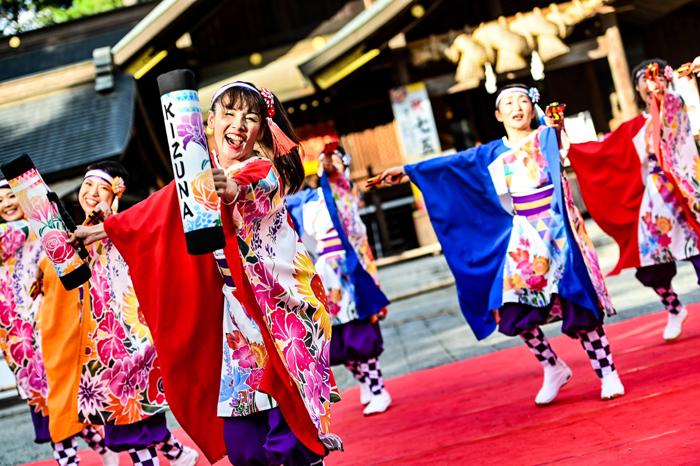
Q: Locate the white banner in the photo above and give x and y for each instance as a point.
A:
(414, 117)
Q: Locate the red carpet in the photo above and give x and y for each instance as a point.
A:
(481, 410)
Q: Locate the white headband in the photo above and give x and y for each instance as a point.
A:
(229, 86)
(532, 93)
(4, 184)
(100, 174)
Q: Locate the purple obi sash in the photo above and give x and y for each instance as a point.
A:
(657, 167)
(225, 272)
(533, 203)
(330, 243)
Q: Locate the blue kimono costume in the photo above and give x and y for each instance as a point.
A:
(512, 237)
(353, 295)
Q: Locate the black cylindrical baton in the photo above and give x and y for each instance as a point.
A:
(199, 203)
(47, 222)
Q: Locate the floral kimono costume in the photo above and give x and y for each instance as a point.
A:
(120, 385)
(20, 336)
(20, 321)
(356, 343)
(292, 298)
(655, 217)
(538, 247)
(665, 233)
(517, 245)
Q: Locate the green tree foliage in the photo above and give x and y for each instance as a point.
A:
(24, 15)
(80, 8)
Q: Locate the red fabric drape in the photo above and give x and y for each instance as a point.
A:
(609, 174)
(180, 296)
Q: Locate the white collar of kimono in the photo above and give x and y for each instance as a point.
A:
(4, 184)
(511, 90)
(511, 145)
(100, 174)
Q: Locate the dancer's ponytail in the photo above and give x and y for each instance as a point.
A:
(288, 165)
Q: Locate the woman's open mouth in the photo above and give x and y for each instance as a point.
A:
(91, 203)
(234, 141)
(10, 211)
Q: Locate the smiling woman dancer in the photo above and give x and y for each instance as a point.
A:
(516, 243)
(20, 332)
(649, 166)
(272, 385)
(120, 384)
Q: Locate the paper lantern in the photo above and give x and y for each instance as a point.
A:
(199, 203)
(49, 221)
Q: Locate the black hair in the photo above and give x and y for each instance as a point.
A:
(511, 86)
(113, 169)
(642, 66)
(289, 166)
(341, 150)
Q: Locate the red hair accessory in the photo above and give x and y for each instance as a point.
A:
(269, 101)
(281, 142)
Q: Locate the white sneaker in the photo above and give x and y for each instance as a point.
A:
(674, 327)
(109, 458)
(189, 457)
(611, 387)
(365, 394)
(555, 377)
(378, 404)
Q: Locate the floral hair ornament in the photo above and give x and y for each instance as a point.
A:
(534, 95)
(282, 144)
(668, 73)
(118, 186)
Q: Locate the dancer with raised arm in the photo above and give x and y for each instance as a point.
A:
(515, 242)
(20, 333)
(649, 166)
(249, 322)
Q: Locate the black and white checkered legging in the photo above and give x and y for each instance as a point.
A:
(597, 347)
(594, 342)
(373, 375)
(540, 347)
(369, 372)
(669, 298)
(66, 451)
